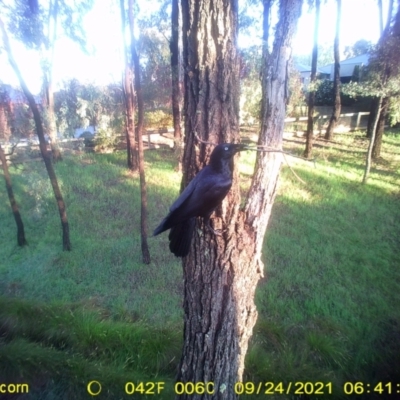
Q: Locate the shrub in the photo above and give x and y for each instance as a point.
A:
(157, 119)
(105, 141)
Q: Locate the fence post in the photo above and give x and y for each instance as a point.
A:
(358, 120)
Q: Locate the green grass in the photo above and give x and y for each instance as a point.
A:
(328, 305)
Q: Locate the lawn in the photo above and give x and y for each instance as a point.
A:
(328, 305)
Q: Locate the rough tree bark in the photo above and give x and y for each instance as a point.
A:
(51, 119)
(313, 78)
(380, 128)
(221, 272)
(336, 81)
(129, 96)
(371, 144)
(21, 240)
(175, 80)
(42, 142)
(139, 138)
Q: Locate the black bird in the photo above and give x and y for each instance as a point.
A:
(200, 198)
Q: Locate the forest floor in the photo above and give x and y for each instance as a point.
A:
(329, 304)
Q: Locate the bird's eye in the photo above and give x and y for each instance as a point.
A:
(225, 148)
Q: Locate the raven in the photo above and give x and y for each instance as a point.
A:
(200, 198)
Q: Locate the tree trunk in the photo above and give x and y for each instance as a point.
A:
(47, 68)
(51, 119)
(21, 240)
(374, 109)
(376, 150)
(313, 77)
(129, 98)
(336, 83)
(139, 135)
(42, 142)
(132, 151)
(175, 79)
(371, 144)
(221, 271)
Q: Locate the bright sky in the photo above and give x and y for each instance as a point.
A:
(359, 21)
(104, 65)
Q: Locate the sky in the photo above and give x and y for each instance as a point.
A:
(103, 64)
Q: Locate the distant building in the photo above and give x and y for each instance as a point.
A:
(305, 74)
(348, 68)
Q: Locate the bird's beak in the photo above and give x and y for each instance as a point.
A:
(241, 147)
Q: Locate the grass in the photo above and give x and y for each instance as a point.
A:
(328, 305)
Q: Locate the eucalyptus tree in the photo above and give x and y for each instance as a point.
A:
(134, 100)
(221, 272)
(379, 107)
(381, 80)
(21, 240)
(176, 77)
(382, 109)
(313, 79)
(38, 27)
(336, 76)
(42, 141)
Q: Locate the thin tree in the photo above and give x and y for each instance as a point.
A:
(379, 112)
(378, 119)
(37, 27)
(381, 109)
(42, 141)
(313, 78)
(129, 97)
(221, 272)
(386, 65)
(139, 138)
(175, 80)
(47, 68)
(336, 79)
(21, 240)
(371, 145)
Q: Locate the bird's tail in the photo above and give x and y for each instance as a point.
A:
(180, 237)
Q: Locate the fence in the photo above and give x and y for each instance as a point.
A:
(347, 122)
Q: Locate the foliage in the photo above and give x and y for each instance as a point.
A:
(324, 95)
(27, 23)
(359, 48)
(22, 124)
(78, 105)
(382, 76)
(155, 68)
(297, 98)
(157, 119)
(394, 110)
(30, 24)
(250, 85)
(105, 141)
(68, 107)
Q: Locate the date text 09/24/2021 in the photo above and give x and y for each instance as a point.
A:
(268, 388)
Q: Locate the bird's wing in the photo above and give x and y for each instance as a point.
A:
(189, 189)
(199, 199)
(207, 191)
